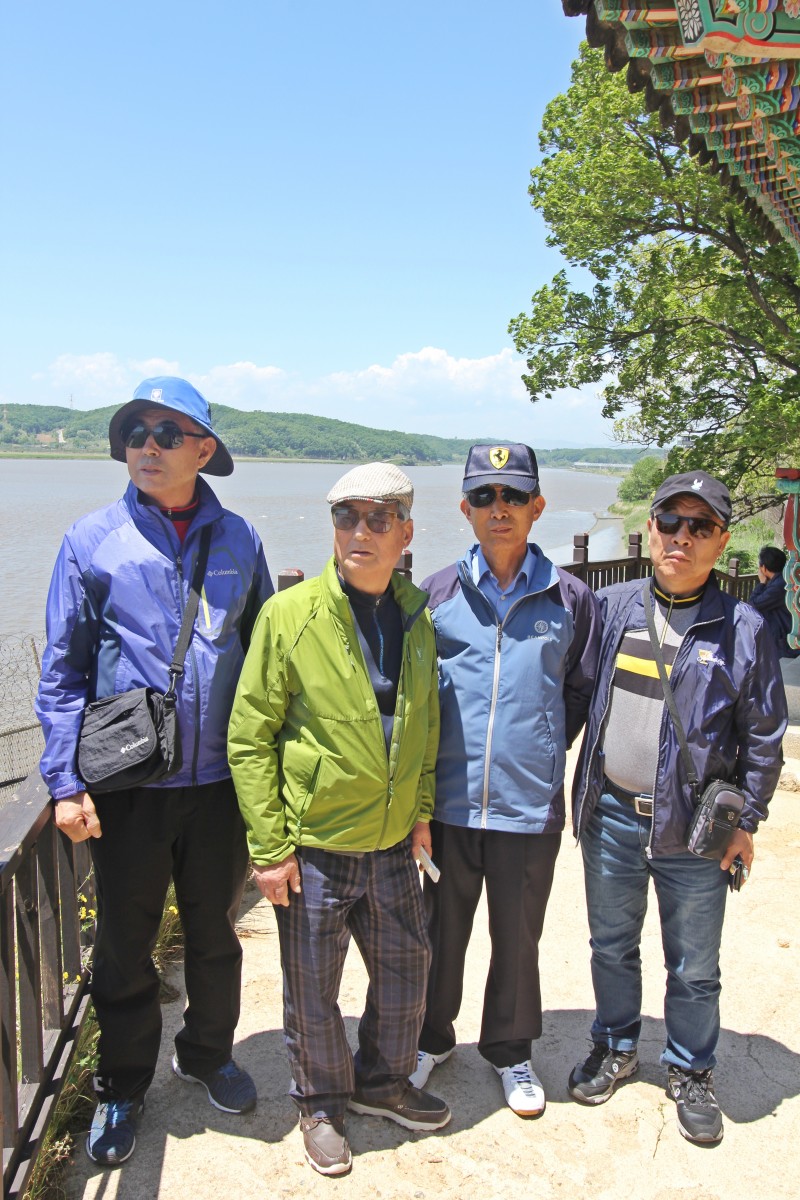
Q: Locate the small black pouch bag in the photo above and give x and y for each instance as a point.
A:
(129, 740)
(719, 808)
(714, 820)
(132, 739)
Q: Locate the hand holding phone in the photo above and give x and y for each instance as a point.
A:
(428, 865)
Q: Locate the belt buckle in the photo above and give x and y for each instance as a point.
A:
(643, 806)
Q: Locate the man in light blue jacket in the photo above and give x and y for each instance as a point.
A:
(114, 611)
(517, 639)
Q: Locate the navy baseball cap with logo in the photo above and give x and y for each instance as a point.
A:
(175, 395)
(510, 465)
(695, 483)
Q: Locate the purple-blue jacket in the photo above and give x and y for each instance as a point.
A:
(731, 700)
(114, 611)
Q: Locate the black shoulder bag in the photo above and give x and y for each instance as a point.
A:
(718, 809)
(132, 739)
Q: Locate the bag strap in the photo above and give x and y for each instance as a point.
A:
(190, 612)
(647, 601)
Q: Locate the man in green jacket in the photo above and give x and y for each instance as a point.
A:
(332, 746)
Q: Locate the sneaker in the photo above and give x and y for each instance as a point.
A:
(230, 1089)
(593, 1081)
(699, 1118)
(524, 1092)
(425, 1064)
(112, 1138)
(414, 1110)
(326, 1147)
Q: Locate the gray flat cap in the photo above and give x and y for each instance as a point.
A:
(382, 482)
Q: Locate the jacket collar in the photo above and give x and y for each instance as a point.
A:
(148, 513)
(411, 600)
(543, 575)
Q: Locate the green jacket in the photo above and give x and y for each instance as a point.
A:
(306, 744)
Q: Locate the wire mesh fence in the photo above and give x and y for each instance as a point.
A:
(20, 735)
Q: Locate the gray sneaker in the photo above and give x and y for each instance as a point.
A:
(593, 1081)
(699, 1118)
(414, 1109)
(326, 1146)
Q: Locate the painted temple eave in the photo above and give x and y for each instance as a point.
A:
(726, 75)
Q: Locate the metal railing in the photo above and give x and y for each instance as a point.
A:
(44, 942)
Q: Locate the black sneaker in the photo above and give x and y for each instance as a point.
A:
(593, 1081)
(112, 1138)
(699, 1118)
(230, 1088)
(414, 1109)
(325, 1143)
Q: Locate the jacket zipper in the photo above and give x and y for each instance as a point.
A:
(487, 753)
(664, 716)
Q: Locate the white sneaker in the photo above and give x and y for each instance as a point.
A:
(425, 1064)
(524, 1092)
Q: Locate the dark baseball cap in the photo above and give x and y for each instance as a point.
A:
(695, 483)
(175, 395)
(509, 465)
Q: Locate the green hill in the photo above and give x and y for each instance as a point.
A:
(57, 430)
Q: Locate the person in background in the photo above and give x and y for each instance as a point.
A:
(517, 640)
(332, 745)
(632, 801)
(114, 610)
(769, 598)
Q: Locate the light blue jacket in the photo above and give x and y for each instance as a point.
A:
(114, 611)
(513, 696)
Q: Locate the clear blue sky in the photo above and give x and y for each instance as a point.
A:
(318, 207)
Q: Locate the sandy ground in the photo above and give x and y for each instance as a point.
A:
(629, 1147)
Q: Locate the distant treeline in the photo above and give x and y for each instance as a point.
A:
(28, 427)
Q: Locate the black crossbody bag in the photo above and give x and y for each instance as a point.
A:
(718, 808)
(132, 739)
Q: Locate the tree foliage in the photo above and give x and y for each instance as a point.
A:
(642, 480)
(691, 321)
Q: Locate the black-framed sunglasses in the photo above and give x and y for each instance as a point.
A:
(699, 527)
(482, 497)
(379, 520)
(166, 434)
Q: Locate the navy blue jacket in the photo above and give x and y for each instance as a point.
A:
(731, 700)
(513, 697)
(114, 611)
(770, 600)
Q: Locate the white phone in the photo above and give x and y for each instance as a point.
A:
(429, 865)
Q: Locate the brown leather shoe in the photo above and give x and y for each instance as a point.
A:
(326, 1146)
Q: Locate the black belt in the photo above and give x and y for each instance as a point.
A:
(642, 805)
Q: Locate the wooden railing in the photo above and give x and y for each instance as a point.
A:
(43, 970)
(44, 941)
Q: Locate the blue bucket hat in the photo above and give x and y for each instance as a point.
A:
(175, 395)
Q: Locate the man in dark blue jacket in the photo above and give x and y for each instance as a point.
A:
(114, 611)
(769, 598)
(633, 801)
(517, 641)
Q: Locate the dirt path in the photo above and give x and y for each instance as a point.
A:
(629, 1147)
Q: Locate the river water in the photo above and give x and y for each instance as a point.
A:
(39, 499)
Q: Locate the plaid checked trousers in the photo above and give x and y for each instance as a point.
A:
(376, 898)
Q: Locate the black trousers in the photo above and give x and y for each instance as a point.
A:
(196, 836)
(518, 870)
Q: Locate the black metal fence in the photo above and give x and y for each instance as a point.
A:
(47, 896)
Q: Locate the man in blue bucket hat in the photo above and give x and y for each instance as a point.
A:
(114, 611)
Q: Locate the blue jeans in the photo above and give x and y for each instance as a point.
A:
(691, 895)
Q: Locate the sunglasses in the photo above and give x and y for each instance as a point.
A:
(166, 434)
(482, 497)
(379, 520)
(699, 527)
